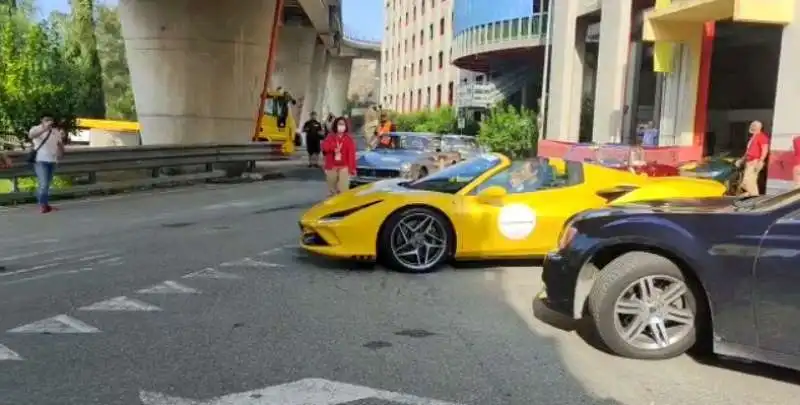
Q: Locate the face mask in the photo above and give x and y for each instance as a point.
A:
(341, 128)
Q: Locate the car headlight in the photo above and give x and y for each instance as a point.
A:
(405, 167)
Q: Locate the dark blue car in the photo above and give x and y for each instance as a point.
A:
(395, 159)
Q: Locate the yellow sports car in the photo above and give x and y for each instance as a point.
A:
(487, 207)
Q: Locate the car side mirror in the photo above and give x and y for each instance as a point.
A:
(491, 194)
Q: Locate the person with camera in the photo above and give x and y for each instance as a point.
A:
(48, 148)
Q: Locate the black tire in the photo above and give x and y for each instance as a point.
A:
(611, 283)
(387, 257)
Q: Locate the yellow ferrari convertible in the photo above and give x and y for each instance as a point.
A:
(487, 207)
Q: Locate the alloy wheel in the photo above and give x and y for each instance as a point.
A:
(418, 241)
(653, 313)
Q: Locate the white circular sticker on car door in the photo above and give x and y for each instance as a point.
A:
(516, 221)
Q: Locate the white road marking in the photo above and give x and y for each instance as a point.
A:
(32, 254)
(56, 324)
(94, 257)
(111, 260)
(30, 269)
(311, 391)
(213, 273)
(8, 354)
(120, 304)
(47, 275)
(248, 262)
(168, 287)
(271, 251)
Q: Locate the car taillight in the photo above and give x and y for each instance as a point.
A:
(567, 235)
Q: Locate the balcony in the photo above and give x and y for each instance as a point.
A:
(499, 36)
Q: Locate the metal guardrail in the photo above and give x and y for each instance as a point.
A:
(220, 160)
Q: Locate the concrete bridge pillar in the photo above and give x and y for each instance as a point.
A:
(294, 63)
(197, 67)
(337, 82)
(315, 82)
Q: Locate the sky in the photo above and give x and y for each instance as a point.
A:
(362, 18)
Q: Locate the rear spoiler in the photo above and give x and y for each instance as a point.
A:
(611, 194)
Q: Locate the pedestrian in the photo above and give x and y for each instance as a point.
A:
(48, 148)
(339, 150)
(314, 135)
(5, 163)
(329, 124)
(371, 122)
(754, 159)
(796, 168)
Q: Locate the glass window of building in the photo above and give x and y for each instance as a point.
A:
(430, 31)
(441, 26)
(441, 59)
(430, 63)
(438, 95)
(420, 66)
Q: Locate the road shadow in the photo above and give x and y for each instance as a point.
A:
(587, 331)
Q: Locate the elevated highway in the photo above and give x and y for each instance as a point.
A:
(198, 66)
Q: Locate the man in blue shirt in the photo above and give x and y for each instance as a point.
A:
(650, 135)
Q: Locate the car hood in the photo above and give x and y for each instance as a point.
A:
(364, 196)
(386, 159)
(709, 205)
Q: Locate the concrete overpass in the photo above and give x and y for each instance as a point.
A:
(198, 66)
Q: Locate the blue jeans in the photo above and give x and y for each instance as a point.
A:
(44, 177)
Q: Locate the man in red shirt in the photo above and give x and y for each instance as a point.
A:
(796, 168)
(754, 159)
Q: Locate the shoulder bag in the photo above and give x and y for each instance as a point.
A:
(32, 156)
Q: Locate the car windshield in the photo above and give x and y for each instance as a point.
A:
(401, 141)
(456, 177)
(459, 144)
(606, 155)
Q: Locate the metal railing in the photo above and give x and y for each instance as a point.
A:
(212, 160)
(513, 33)
(360, 41)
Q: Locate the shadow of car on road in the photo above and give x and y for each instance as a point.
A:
(587, 331)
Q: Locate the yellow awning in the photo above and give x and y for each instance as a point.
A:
(671, 23)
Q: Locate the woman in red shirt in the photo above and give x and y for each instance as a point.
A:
(339, 150)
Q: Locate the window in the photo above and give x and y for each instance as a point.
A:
(525, 176)
(441, 27)
(438, 95)
(430, 31)
(410, 100)
(450, 89)
(423, 6)
(415, 13)
(430, 63)
(441, 59)
(411, 72)
(419, 99)
(420, 66)
(404, 73)
(403, 105)
(413, 41)
(405, 42)
(454, 178)
(428, 99)
(406, 17)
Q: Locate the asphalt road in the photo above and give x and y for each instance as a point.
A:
(275, 316)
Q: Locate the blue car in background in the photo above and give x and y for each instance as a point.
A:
(393, 160)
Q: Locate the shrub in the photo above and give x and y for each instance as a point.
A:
(510, 131)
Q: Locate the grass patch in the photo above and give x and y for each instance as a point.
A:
(29, 184)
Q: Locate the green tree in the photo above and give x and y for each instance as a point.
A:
(81, 44)
(116, 76)
(510, 131)
(34, 75)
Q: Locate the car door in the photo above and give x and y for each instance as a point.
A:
(518, 224)
(777, 278)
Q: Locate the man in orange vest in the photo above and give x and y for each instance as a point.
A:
(382, 133)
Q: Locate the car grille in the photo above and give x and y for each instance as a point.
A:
(380, 173)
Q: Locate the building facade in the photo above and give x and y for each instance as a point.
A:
(719, 64)
(415, 55)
